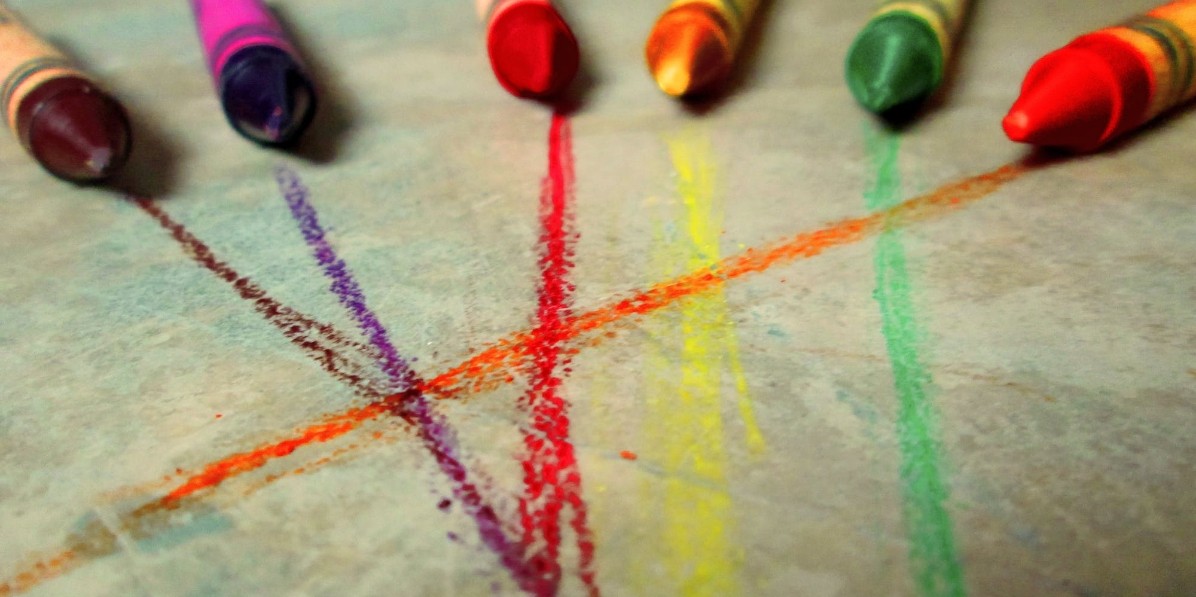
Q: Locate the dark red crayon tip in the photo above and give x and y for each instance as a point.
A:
(532, 50)
(1080, 96)
(74, 129)
(266, 95)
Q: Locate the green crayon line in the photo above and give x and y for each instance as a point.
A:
(933, 555)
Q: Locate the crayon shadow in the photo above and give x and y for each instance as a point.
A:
(745, 67)
(336, 113)
(903, 116)
(153, 159)
(1145, 131)
(574, 97)
(153, 163)
(1044, 155)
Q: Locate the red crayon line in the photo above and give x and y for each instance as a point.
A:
(552, 478)
(487, 368)
(348, 361)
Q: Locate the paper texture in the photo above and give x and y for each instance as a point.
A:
(457, 345)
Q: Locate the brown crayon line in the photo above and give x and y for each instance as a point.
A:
(491, 366)
(351, 362)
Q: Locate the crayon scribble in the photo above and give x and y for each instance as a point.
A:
(488, 367)
(933, 556)
(435, 433)
(684, 429)
(552, 478)
(344, 359)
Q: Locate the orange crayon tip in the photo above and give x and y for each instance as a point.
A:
(532, 50)
(688, 51)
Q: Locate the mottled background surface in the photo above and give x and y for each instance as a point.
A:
(993, 397)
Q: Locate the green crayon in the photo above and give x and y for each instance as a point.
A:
(903, 51)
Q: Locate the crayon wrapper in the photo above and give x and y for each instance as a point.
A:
(1165, 39)
(737, 13)
(26, 61)
(943, 16)
(228, 26)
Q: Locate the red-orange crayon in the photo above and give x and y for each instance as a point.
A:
(532, 50)
(61, 116)
(1108, 82)
(692, 48)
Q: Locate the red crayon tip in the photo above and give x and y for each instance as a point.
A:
(1079, 97)
(74, 130)
(532, 50)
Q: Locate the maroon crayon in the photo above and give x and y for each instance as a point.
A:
(61, 116)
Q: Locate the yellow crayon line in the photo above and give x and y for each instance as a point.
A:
(698, 185)
(685, 425)
(684, 435)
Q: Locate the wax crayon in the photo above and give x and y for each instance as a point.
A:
(61, 116)
(532, 50)
(901, 54)
(264, 88)
(691, 49)
(1108, 82)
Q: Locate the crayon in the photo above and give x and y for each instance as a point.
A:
(1108, 82)
(61, 116)
(264, 88)
(691, 49)
(532, 50)
(900, 56)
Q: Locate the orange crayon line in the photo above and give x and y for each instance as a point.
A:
(489, 368)
(480, 370)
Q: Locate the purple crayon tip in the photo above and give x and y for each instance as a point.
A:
(266, 95)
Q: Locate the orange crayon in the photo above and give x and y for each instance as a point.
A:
(691, 50)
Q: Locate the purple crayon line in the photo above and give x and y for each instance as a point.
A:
(436, 434)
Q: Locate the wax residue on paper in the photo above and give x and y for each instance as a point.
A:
(434, 432)
(933, 555)
(489, 367)
(684, 431)
(552, 478)
(345, 359)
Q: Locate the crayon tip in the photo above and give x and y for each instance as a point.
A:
(76, 131)
(1066, 103)
(688, 53)
(266, 95)
(895, 60)
(532, 51)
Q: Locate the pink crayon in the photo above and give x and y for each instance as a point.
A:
(263, 86)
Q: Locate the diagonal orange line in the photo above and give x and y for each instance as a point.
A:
(489, 367)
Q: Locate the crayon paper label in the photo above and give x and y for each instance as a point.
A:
(1164, 38)
(943, 16)
(1173, 27)
(25, 62)
(227, 26)
(737, 13)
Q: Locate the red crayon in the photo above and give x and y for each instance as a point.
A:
(61, 116)
(532, 50)
(1108, 82)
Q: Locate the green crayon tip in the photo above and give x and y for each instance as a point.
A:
(895, 59)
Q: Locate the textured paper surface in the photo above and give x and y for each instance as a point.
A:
(767, 348)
